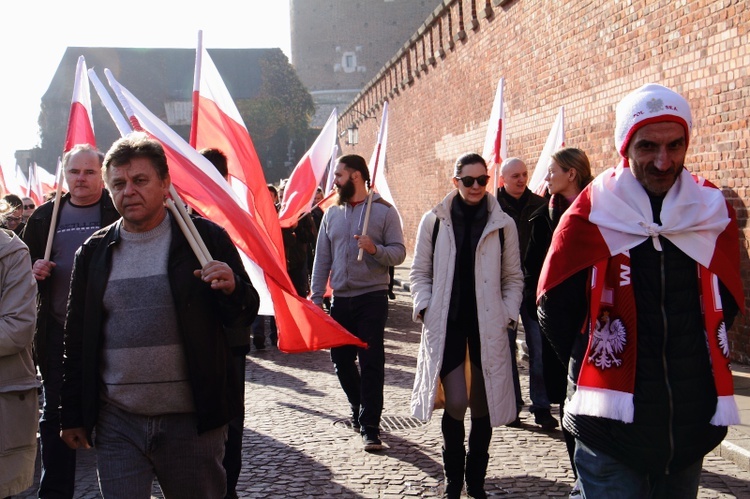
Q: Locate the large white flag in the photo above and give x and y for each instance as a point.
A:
(495, 148)
(555, 141)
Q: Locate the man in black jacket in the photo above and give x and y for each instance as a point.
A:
(83, 210)
(146, 360)
(519, 202)
(638, 290)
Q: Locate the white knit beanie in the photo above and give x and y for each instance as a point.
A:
(651, 103)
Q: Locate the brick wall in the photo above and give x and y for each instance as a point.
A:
(579, 54)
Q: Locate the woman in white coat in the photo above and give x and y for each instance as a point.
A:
(466, 284)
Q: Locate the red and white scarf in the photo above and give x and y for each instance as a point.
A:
(611, 216)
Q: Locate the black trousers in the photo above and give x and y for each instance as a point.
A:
(364, 316)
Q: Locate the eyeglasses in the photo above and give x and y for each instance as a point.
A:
(469, 181)
(29, 207)
(13, 219)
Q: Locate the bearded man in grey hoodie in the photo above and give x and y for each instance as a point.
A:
(360, 299)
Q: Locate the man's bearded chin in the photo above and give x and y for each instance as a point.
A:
(345, 192)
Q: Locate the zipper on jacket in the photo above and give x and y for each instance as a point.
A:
(670, 420)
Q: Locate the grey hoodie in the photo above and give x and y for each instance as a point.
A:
(336, 251)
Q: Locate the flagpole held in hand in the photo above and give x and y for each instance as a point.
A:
(186, 232)
(191, 233)
(366, 222)
(55, 209)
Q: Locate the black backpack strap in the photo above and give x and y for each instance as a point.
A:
(435, 231)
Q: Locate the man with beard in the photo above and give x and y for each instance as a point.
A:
(638, 290)
(360, 301)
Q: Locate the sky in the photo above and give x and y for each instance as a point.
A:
(35, 34)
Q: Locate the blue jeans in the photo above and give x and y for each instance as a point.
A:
(132, 449)
(537, 390)
(58, 460)
(364, 316)
(258, 328)
(601, 475)
(512, 336)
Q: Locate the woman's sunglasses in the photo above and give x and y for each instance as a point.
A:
(469, 181)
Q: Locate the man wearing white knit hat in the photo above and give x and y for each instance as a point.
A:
(637, 293)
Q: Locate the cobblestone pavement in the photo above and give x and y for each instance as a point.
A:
(296, 443)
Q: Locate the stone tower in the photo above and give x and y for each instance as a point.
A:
(339, 45)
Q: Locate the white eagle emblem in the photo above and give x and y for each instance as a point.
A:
(609, 340)
(655, 105)
(723, 339)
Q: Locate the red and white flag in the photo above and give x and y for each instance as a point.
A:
(378, 158)
(307, 175)
(2, 181)
(21, 183)
(217, 123)
(80, 122)
(302, 325)
(46, 180)
(555, 141)
(495, 149)
(36, 190)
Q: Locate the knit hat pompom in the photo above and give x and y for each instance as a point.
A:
(648, 104)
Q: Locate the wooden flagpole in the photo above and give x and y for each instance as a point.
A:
(366, 222)
(55, 210)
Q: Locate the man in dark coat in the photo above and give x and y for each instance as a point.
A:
(639, 287)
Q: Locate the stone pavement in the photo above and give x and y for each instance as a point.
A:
(297, 443)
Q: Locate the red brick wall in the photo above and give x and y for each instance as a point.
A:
(579, 54)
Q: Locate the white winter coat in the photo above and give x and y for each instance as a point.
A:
(499, 286)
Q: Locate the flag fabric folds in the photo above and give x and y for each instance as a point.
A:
(307, 175)
(302, 325)
(35, 187)
(217, 123)
(495, 149)
(378, 158)
(80, 122)
(555, 141)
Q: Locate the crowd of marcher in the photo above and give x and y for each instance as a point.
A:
(625, 285)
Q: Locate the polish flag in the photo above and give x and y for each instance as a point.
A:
(21, 182)
(2, 181)
(555, 141)
(495, 148)
(307, 175)
(35, 186)
(217, 123)
(328, 187)
(80, 123)
(377, 160)
(45, 179)
(302, 325)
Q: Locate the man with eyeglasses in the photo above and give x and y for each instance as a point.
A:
(13, 220)
(360, 301)
(83, 210)
(28, 208)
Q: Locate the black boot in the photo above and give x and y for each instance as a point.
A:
(454, 455)
(476, 470)
(478, 456)
(453, 464)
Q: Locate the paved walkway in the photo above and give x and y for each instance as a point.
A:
(296, 443)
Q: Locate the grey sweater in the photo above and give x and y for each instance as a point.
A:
(336, 250)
